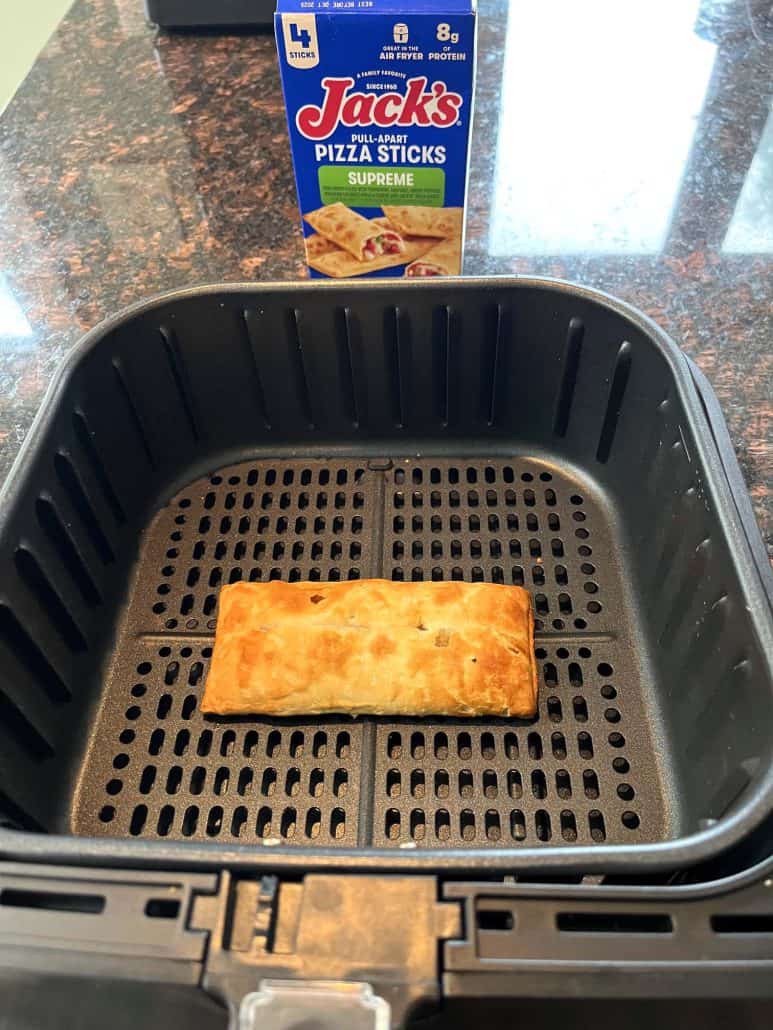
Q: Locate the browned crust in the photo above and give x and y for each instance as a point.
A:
(445, 258)
(373, 647)
(327, 258)
(439, 222)
(344, 227)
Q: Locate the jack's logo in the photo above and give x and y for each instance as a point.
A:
(436, 106)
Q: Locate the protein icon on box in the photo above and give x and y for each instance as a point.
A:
(379, 120)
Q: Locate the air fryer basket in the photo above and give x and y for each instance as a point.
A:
(520, 431)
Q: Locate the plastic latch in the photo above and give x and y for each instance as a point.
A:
(325, 1005)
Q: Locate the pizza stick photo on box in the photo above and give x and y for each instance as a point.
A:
(379, 108)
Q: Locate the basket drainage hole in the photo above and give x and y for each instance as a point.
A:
(596, 825)
(630, 820)
(107, 814)
(621, 765)
(139, 817)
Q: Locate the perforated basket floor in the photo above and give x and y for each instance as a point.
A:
(584, 771)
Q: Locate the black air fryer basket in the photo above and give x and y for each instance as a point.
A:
(514, 431)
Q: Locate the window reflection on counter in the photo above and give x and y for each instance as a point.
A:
(15, 330)
(751, 227)
(599, 106)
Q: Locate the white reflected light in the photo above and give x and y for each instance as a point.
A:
(12, 320)
(598, 111)
(751, 227)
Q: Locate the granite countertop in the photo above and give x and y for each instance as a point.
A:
(625, 148)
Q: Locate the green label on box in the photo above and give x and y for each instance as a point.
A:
(369, 186)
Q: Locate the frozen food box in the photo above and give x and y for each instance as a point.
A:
(379, 108)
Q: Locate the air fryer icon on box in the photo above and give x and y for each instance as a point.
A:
(379, 109)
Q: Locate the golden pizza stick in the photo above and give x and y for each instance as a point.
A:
(438, 222)
(329, 259)
(445, 258)
(350, 231)
(373, 647)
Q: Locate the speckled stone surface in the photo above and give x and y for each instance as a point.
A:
(638, 159)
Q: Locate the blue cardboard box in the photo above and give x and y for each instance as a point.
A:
(379, 108)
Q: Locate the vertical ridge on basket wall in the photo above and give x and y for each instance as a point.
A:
(441, 362)
(734, 677)
(155, 372)
(266, 361)
(678, 604)
(52, 590)
(244, 329)
(704, 649)
(655, 469)
(467, 408)
(571, 364)
(530, 339)
(423, 364)
(372, 336)
(31, 692)
(54, 548)
(85, 437)
(14, 812)
(667, 474)
(395, 364)
(30, 711)
(28, 719)
(180, 377)
(724, 769)
(342, 318)
(357, 369)
(135, 417)
(668, 543)
(70, 553)
(491, 376)
(83, 505)
(298, 362)
(23, 730)
(29, 659)
(50, 598)
(326, 351)
(499, 365)
(615, 400)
